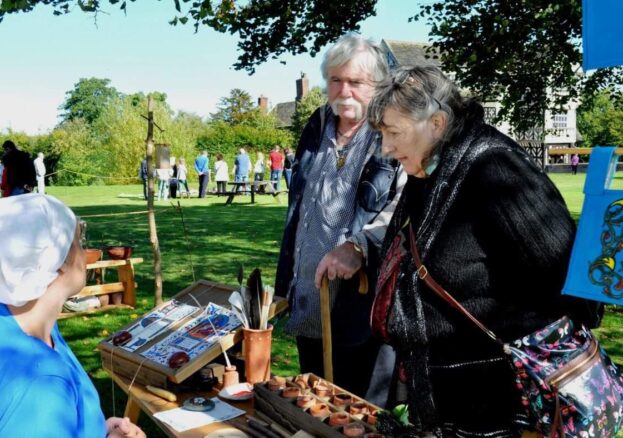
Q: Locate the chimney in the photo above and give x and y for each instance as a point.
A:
(302, 87)
(262, 102)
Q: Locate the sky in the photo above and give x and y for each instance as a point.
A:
(42, 56)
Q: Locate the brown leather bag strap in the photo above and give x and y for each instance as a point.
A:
(424, 275)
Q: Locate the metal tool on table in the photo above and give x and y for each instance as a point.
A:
(325, 318)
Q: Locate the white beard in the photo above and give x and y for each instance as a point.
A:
(348, 102)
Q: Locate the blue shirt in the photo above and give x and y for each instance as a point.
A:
(44, 392)
(243, 164)
(202, 164)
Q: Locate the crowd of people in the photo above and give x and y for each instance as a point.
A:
(174, 178)
(19, 173)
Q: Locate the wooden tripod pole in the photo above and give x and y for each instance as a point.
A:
(151, 217)
(325, 318)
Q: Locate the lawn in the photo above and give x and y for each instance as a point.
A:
(219, 239)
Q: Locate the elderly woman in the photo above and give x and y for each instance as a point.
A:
(45, 391)
(492, 229)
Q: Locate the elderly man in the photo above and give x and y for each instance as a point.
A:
(342, 195)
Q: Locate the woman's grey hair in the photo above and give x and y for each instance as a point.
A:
(419, 92)
(347, 47)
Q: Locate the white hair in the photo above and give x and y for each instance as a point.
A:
(353, 47)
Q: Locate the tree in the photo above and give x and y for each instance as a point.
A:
(236, 108)
(525, 53)
(601, 122)
(87, 100)
(305, 108)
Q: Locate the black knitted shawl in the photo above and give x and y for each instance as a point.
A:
(407, 323)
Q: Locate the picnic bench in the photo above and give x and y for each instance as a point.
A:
(125, 284)
(252, 187)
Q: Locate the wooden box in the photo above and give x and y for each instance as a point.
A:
(284, 411)
(148, 371)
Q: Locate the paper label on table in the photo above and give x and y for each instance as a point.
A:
(196, 336)
(155, 322)
(182, 420)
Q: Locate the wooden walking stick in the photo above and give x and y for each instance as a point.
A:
(325, 318)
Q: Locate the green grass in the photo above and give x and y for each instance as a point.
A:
(221, 237)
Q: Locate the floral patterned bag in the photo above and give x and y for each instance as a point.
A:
(568, 384)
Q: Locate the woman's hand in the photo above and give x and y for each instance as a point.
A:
(122, 428)
(343, 262)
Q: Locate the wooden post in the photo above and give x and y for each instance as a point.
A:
(325, 317)
(153, 230)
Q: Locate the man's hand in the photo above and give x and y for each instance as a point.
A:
(122, 428)
(342, 262)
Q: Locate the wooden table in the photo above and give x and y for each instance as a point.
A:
(125, 283)
(139, 399)
(254, 188)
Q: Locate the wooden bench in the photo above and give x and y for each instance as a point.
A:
(125, 283)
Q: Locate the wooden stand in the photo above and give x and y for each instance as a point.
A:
(125, 284)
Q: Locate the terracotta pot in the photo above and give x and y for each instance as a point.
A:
(339, 419)
(230, 377)
(119, 252)
(301, 382)
(371, 418)
(342, 399)
(93, 255)
(354, 430)
(117, 298)
(291, 392)
(305, 401)
(274, 385)
(358, 408)
(104, 299)
(256, 347)
(319, 410)
(322, 390)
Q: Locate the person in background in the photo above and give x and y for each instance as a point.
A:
(287, 166)
(202, 166)
(258, 168)
(221, 174)
(242, 166)
(45, 391)
(2, 179)
(575, 160)
(40, 172)
(182, 177)
(341, 197)
(163, 176)
(143, 175)
(276, 167)
(480, 213)
(19, 169)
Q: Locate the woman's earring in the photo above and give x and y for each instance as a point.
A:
(432, 164)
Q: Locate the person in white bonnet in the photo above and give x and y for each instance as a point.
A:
(44, 390)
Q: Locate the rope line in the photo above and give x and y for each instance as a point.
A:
(94, 176)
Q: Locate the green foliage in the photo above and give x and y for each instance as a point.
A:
(305, 108)
(600, 121)
(236, 108)
(524, 53)
(87, 99)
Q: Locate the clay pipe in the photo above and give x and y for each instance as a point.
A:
(325, 317)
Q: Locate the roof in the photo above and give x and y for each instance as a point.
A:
(408, 53)
(284, 112)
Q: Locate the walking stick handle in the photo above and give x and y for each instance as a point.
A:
(325, 318)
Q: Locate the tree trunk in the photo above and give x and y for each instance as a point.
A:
(153, 230)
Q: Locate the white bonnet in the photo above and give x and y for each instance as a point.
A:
(36, 232)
